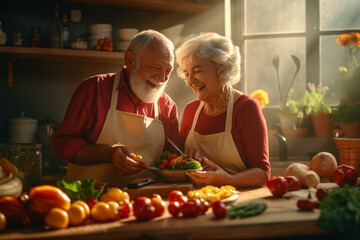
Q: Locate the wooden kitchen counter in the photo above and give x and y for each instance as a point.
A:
(280, 219)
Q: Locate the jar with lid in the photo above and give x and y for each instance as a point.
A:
(27, 157)
(3, 36)
(35, 37)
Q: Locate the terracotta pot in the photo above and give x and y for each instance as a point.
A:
(295, 132)
(349, 151)
(322, 125)
(351, 129)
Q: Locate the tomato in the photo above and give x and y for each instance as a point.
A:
(113, 211)
(321, 193)
(45, 197)
(219, 209)
(125, 209)
(191, 208)
(2, 221)
(172, 156)
(278, 186)
(91, 201)
(77, 214)
(345, 174)
(143, 209)
(57, 218)
(175, 195)
(115, 194)
(205, 205)
(174, 208)
(100, 212)
(159, 206)
(294, 183)
(14, 211)
(85, 206)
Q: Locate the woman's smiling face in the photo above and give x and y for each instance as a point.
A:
(202, 77)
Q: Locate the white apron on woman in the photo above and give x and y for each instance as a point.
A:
(142, 135)
(218, 147)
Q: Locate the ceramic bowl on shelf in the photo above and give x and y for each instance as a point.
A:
(100, 28)
(172, 176)
(122, 45)
(127, 34)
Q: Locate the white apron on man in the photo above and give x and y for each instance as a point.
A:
(218, 147)
(142, 135)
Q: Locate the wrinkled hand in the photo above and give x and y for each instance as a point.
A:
(194, 153)
(210, 175)
(123, 161)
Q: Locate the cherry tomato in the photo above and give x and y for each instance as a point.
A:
(125, 209)
(278, 186)
(294, 183)
(159, 206)
(91, 201)
(77, 214)
(182, 200)
(2, 221)
(100, 212)
(219, 209)
(174, 208)
(174, 195)
(143, 209)
(191, 208)
(172, 156)
(57, 218)
(205, 205)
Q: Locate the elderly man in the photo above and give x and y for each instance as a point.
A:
(113, 117)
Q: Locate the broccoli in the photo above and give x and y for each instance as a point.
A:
(193, 165)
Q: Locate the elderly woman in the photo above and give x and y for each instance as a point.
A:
(224, 128)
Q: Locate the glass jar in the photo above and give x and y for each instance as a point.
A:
(27, 157)
(35, 37)
(18, 40)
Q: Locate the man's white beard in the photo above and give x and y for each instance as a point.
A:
(143, 91)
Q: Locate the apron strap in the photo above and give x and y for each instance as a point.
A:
(114, 96)
(229, 112)
(156, 110)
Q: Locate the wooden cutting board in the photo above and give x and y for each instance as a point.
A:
(159, 187)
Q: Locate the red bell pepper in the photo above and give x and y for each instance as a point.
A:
(14, 211)
(45, 197)
(345, 174)
(278, 186)
(307, 204)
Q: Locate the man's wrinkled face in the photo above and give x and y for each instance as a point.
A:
(153, 68)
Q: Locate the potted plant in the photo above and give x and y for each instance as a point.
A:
(317, 102)
(347, 115)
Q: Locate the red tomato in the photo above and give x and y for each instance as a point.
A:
(155, 195)
(191, 208)
(205, 205)
(219, 209)
(143, 209)
(159, 206)
(91, 201)
(175, 195)
(182, 200)
(294, 183)
(174, 208)
(125, 209)
(321, 193)
(278, 186)
(172, 156)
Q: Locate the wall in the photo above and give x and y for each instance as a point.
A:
(42, 89)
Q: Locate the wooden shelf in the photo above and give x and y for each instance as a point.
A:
(179, 6)
(14, 53)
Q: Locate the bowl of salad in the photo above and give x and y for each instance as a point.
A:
(171, 167)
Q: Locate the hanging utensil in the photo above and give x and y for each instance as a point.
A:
(176, 147)
(297, 64)
(276, 61)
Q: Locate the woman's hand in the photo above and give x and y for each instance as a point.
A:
(212, 174)
(194, 153)
(123, 161)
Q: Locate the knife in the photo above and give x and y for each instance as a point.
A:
(176, 147)
(141, 183)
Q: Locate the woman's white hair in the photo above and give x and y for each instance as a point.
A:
(216, 49)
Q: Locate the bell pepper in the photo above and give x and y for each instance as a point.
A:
(45, 197)
(278, 186)
(307, 204)
(14, 211)
(345, 174)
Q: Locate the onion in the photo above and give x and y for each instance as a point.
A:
(323, 164)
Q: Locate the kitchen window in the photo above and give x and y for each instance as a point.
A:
(307, 29)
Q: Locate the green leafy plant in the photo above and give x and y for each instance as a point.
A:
(295, 107)
(346, 112)
(317, 99)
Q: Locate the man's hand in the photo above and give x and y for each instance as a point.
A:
(195, 154)
(123, 161)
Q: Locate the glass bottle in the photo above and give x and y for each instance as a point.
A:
(3, 36)
(66, 31)
(35, 37)
(56, 34)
